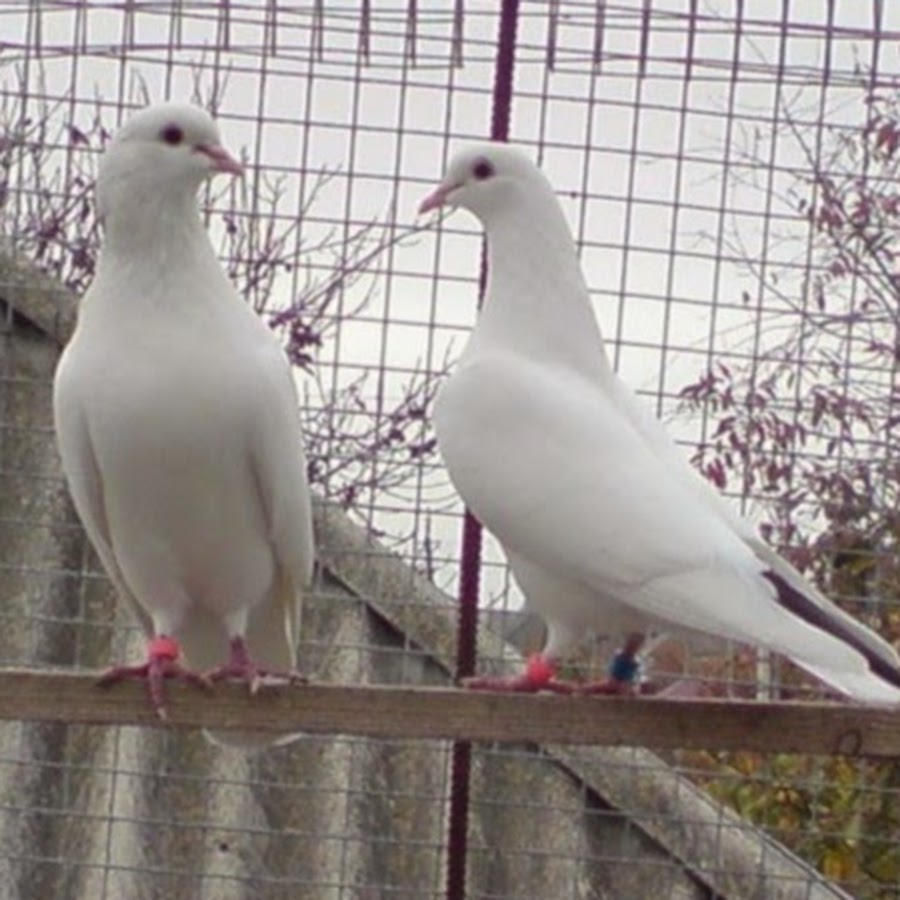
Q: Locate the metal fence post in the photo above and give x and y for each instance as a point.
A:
(470, 563)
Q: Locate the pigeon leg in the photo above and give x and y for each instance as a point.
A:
(539, 675)
(623, 671)
(241, 666)
(162, 663)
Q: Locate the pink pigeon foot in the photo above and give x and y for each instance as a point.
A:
(242, 667)
(539, 675)
(162, 663)
(610, 687)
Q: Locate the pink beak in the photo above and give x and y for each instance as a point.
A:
(221, 159)
(436, 199)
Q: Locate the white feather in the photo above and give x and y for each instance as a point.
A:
(602, 518)
(177, 422)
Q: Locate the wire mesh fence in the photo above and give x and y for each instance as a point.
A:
(729, 170)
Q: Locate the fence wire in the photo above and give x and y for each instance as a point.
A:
(729, 170)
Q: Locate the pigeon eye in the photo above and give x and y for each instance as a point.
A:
(482, 170)
(172, 135)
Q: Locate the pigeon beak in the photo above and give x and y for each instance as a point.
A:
(221, 160)
(437, 199)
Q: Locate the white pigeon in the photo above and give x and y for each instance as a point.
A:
(177, 422)
(605, 524)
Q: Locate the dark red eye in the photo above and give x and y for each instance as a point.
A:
(482, 169)
(172, 135)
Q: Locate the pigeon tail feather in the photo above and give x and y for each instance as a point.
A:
(883, 666)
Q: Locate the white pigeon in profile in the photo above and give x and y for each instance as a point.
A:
(605, 524)
(177, 422)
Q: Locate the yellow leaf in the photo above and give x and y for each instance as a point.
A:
(839, 864)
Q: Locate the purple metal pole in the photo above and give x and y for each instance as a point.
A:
(470, 558)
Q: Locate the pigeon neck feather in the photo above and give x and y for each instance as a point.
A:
(158, 234)
(537, 302)
(165, 217)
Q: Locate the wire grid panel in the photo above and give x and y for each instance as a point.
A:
(680, 142)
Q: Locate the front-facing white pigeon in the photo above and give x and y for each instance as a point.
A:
(605, 525)
(177, 422)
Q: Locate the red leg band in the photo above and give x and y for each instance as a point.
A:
(163, 647)
(539, 669)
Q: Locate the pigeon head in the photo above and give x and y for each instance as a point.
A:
(162, 152)
(489, 180)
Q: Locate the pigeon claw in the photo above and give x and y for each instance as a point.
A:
(624, 672)
(520, 684)
(539, 675)
(254, 675)
(241, 667)
(162, 663)
(612, 687)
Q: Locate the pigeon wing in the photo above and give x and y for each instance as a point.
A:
(85, 481)
(553, 468)
(279, 467)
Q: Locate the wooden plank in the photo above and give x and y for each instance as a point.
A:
(447, 713)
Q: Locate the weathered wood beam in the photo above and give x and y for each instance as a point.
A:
(446, 713)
